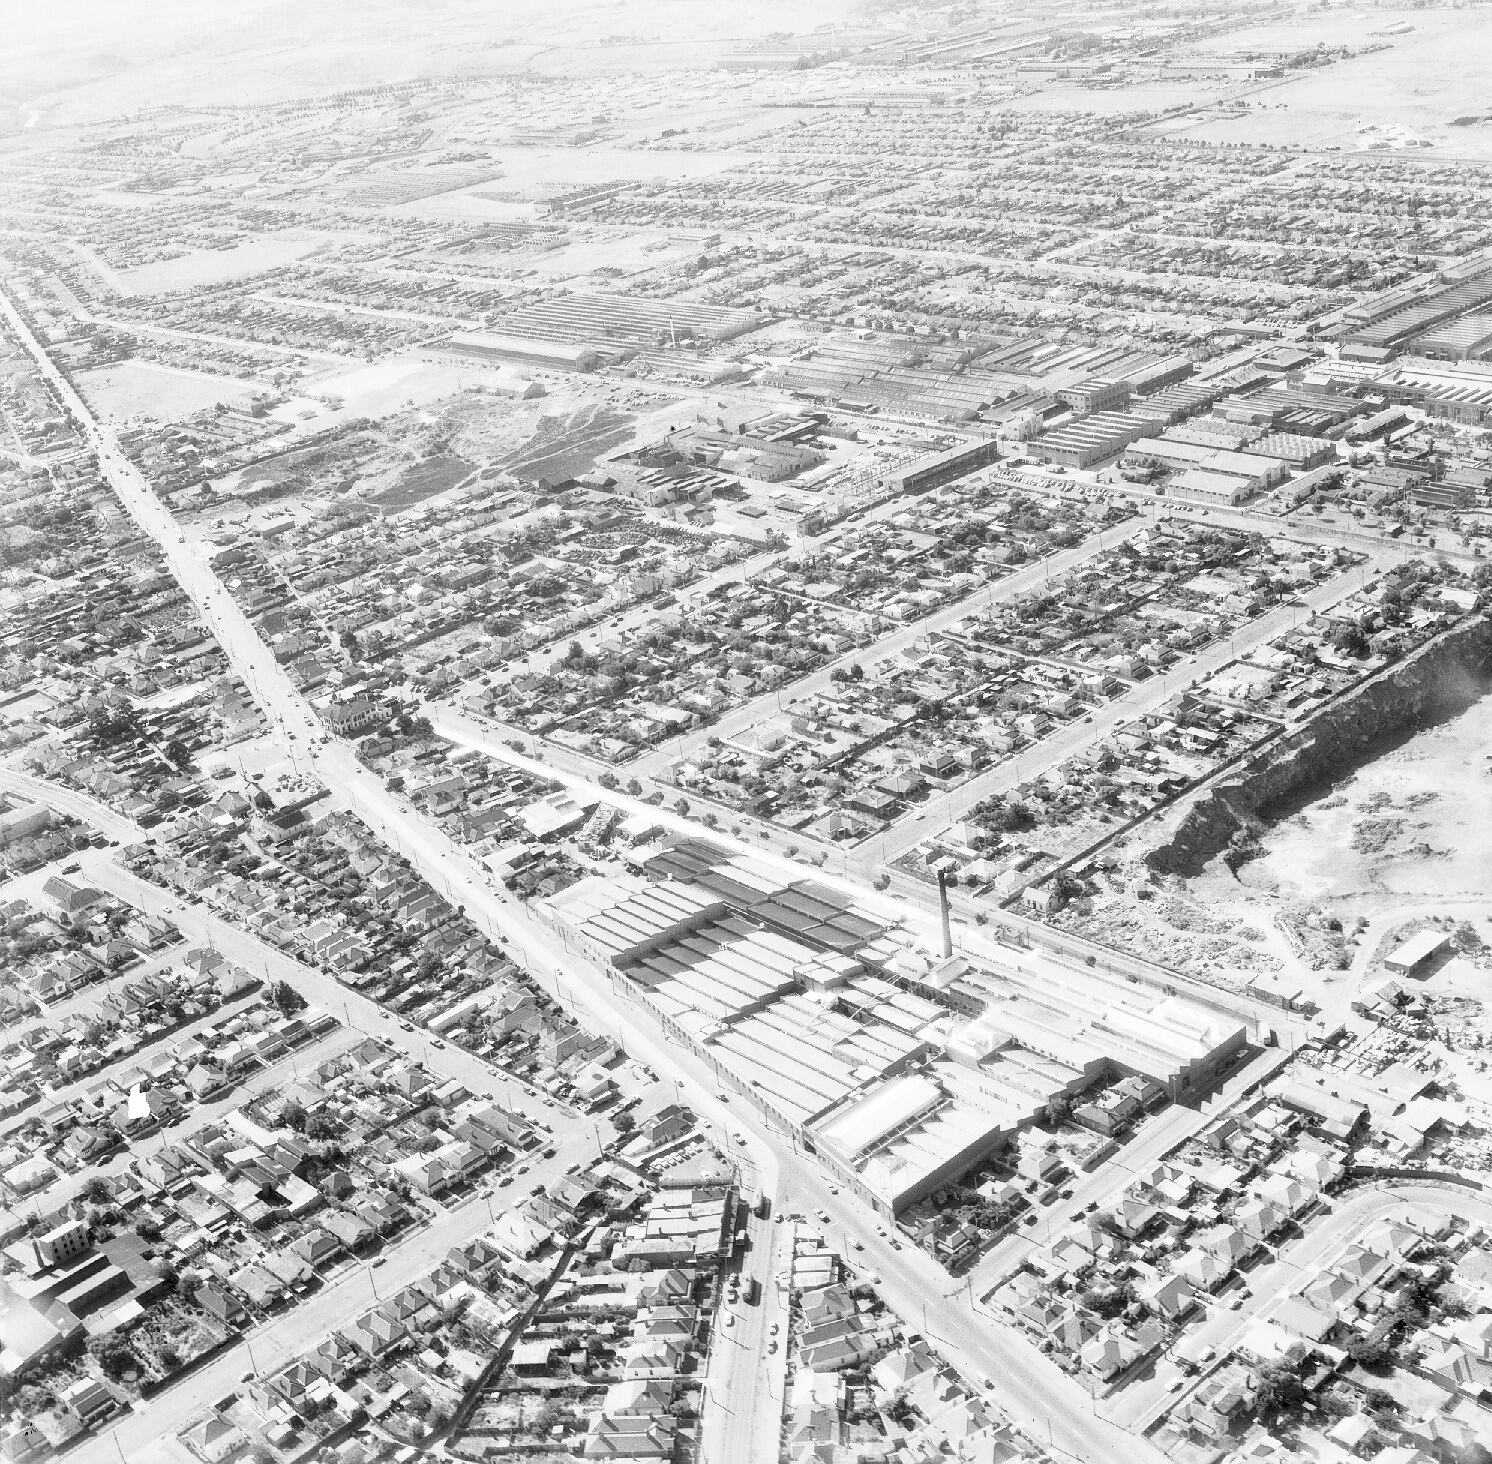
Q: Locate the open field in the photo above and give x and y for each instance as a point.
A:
(163, 392)
(218, 266)
(391, 385)
(536, 173)
(1417, 87)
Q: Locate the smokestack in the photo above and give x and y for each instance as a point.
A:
(943, 908)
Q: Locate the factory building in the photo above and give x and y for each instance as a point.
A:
(898, 1072)
(933, 471)
(1095, 395)
(1082, 444)
(1197, 485)
(1467, 339)
(525, 351)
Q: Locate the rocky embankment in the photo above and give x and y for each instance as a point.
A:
(1439, 679)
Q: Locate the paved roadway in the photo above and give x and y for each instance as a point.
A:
(76, 805)
(1157, 1136)
(360, 1013)
(1294, 1263)
(741, 1416)
(993, 1356)
(613, 625)
(356, 1289)
(1140, 699)
(1033, 1390)
(998, 592)
(71, 1185)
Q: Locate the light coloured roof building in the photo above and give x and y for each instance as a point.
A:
(902, 1076)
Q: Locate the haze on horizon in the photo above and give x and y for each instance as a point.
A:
(80, 61)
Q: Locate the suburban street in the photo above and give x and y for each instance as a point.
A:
(1157, 1136)
(1035, 1390)
(654, 762)
(992, 1356)
(1295, 1262)
(1141, 698)
(356, 1288)
(74, 804)
(742, 1405)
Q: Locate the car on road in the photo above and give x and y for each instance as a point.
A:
(772, 1346)
(437, 1043)
(773, 1330)
(823, 1215)
(730, 1319)
(857, 1243)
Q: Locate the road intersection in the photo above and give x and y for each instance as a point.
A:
(992, 1355)
(1033, 1392)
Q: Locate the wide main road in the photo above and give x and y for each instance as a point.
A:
(1033, 1390)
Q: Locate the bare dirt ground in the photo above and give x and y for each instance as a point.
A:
(169, 394)
(1402, 841)
(1412, 826)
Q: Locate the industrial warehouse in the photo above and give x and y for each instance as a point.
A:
(900, 1070)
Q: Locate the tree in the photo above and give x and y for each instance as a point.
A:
(97, 1191)
(1280, 1390)
(287, 998)
(1350, 640)
(177, 753)
(294, 1116)
(1369, 1351)
(1465, 938)
(113, 1355)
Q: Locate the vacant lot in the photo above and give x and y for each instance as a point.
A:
(129, 388)
(1418, 86)
(423, 480)
(218, 266)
